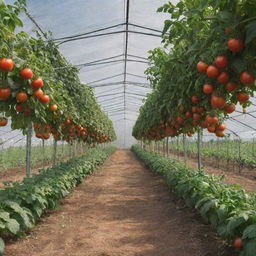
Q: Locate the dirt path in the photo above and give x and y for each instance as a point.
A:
(230, 178)
(120, 210)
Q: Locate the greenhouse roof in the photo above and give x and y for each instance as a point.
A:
(109, 42)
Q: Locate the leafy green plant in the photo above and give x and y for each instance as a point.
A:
(206, 67)
(22, 204)
(228, 208)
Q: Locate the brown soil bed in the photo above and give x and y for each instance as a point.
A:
(122, 209)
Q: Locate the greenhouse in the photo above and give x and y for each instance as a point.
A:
(128, 128)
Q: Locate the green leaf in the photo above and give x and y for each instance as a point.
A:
(1, 246)
(167, 25)
(250, 32)
(250, 232)
(13, 226)
(249, 248)
(234, 223)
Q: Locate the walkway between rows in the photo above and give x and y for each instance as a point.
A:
(121, 210)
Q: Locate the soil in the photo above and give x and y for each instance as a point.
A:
(18, 173)
(230, 177)
(121, 209)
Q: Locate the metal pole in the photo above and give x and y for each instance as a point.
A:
(199, 149)
(184, 148)
(43, 149)
(239, 154)
(167, 146)
(178, 151)
(54, 153)
(28, 150)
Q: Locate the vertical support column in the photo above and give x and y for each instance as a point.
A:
(184, 148)
(199, 149)
(28, 150)
(178, 151)
(167, 146)
(227, 142)
(54, 153)
(70, 150)
(239, 155)
(43, 149)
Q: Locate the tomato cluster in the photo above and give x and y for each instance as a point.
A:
(208, 108)
(21, 101)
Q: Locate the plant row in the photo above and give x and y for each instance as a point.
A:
(222, 150)
(228, 208)
(205, 69)
(38, 85)
(22, 204)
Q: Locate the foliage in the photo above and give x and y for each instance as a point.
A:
(22, 204)
(198, 30)
(228, 208)
(223, 150)
(77, 114)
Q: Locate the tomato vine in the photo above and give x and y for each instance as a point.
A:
(39, 85)
(206, 66)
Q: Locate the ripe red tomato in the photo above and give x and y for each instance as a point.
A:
(54, 107)
(221, 127)
(218, 101)
(202, 66)
(188, 114)
(220, 134)
(26, 73)
(6, 64)
(230, 108)
(211, 128)
(5, 93)
(38, 93)
(195, 99)
(247, 78)
(38, 83)
(197, 117)
(235, 45)
(45, 99)
(238, 243)
(19, 107)
(200, 110)
(208, 88)
(211, 119)
(221, 61)
(223, 77)
(242, 97)
(39, 135)
(231, 86)
(194, 109)
(3, 121)
(21, 97)
(204, 124)
(212, 71)
(180, 119)
(46, 136)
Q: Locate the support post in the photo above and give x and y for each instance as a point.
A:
(199, 160)
(28, 150)
(54, 153)
(184, 148)
(167, 146)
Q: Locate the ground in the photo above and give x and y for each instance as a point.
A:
(122, 209)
